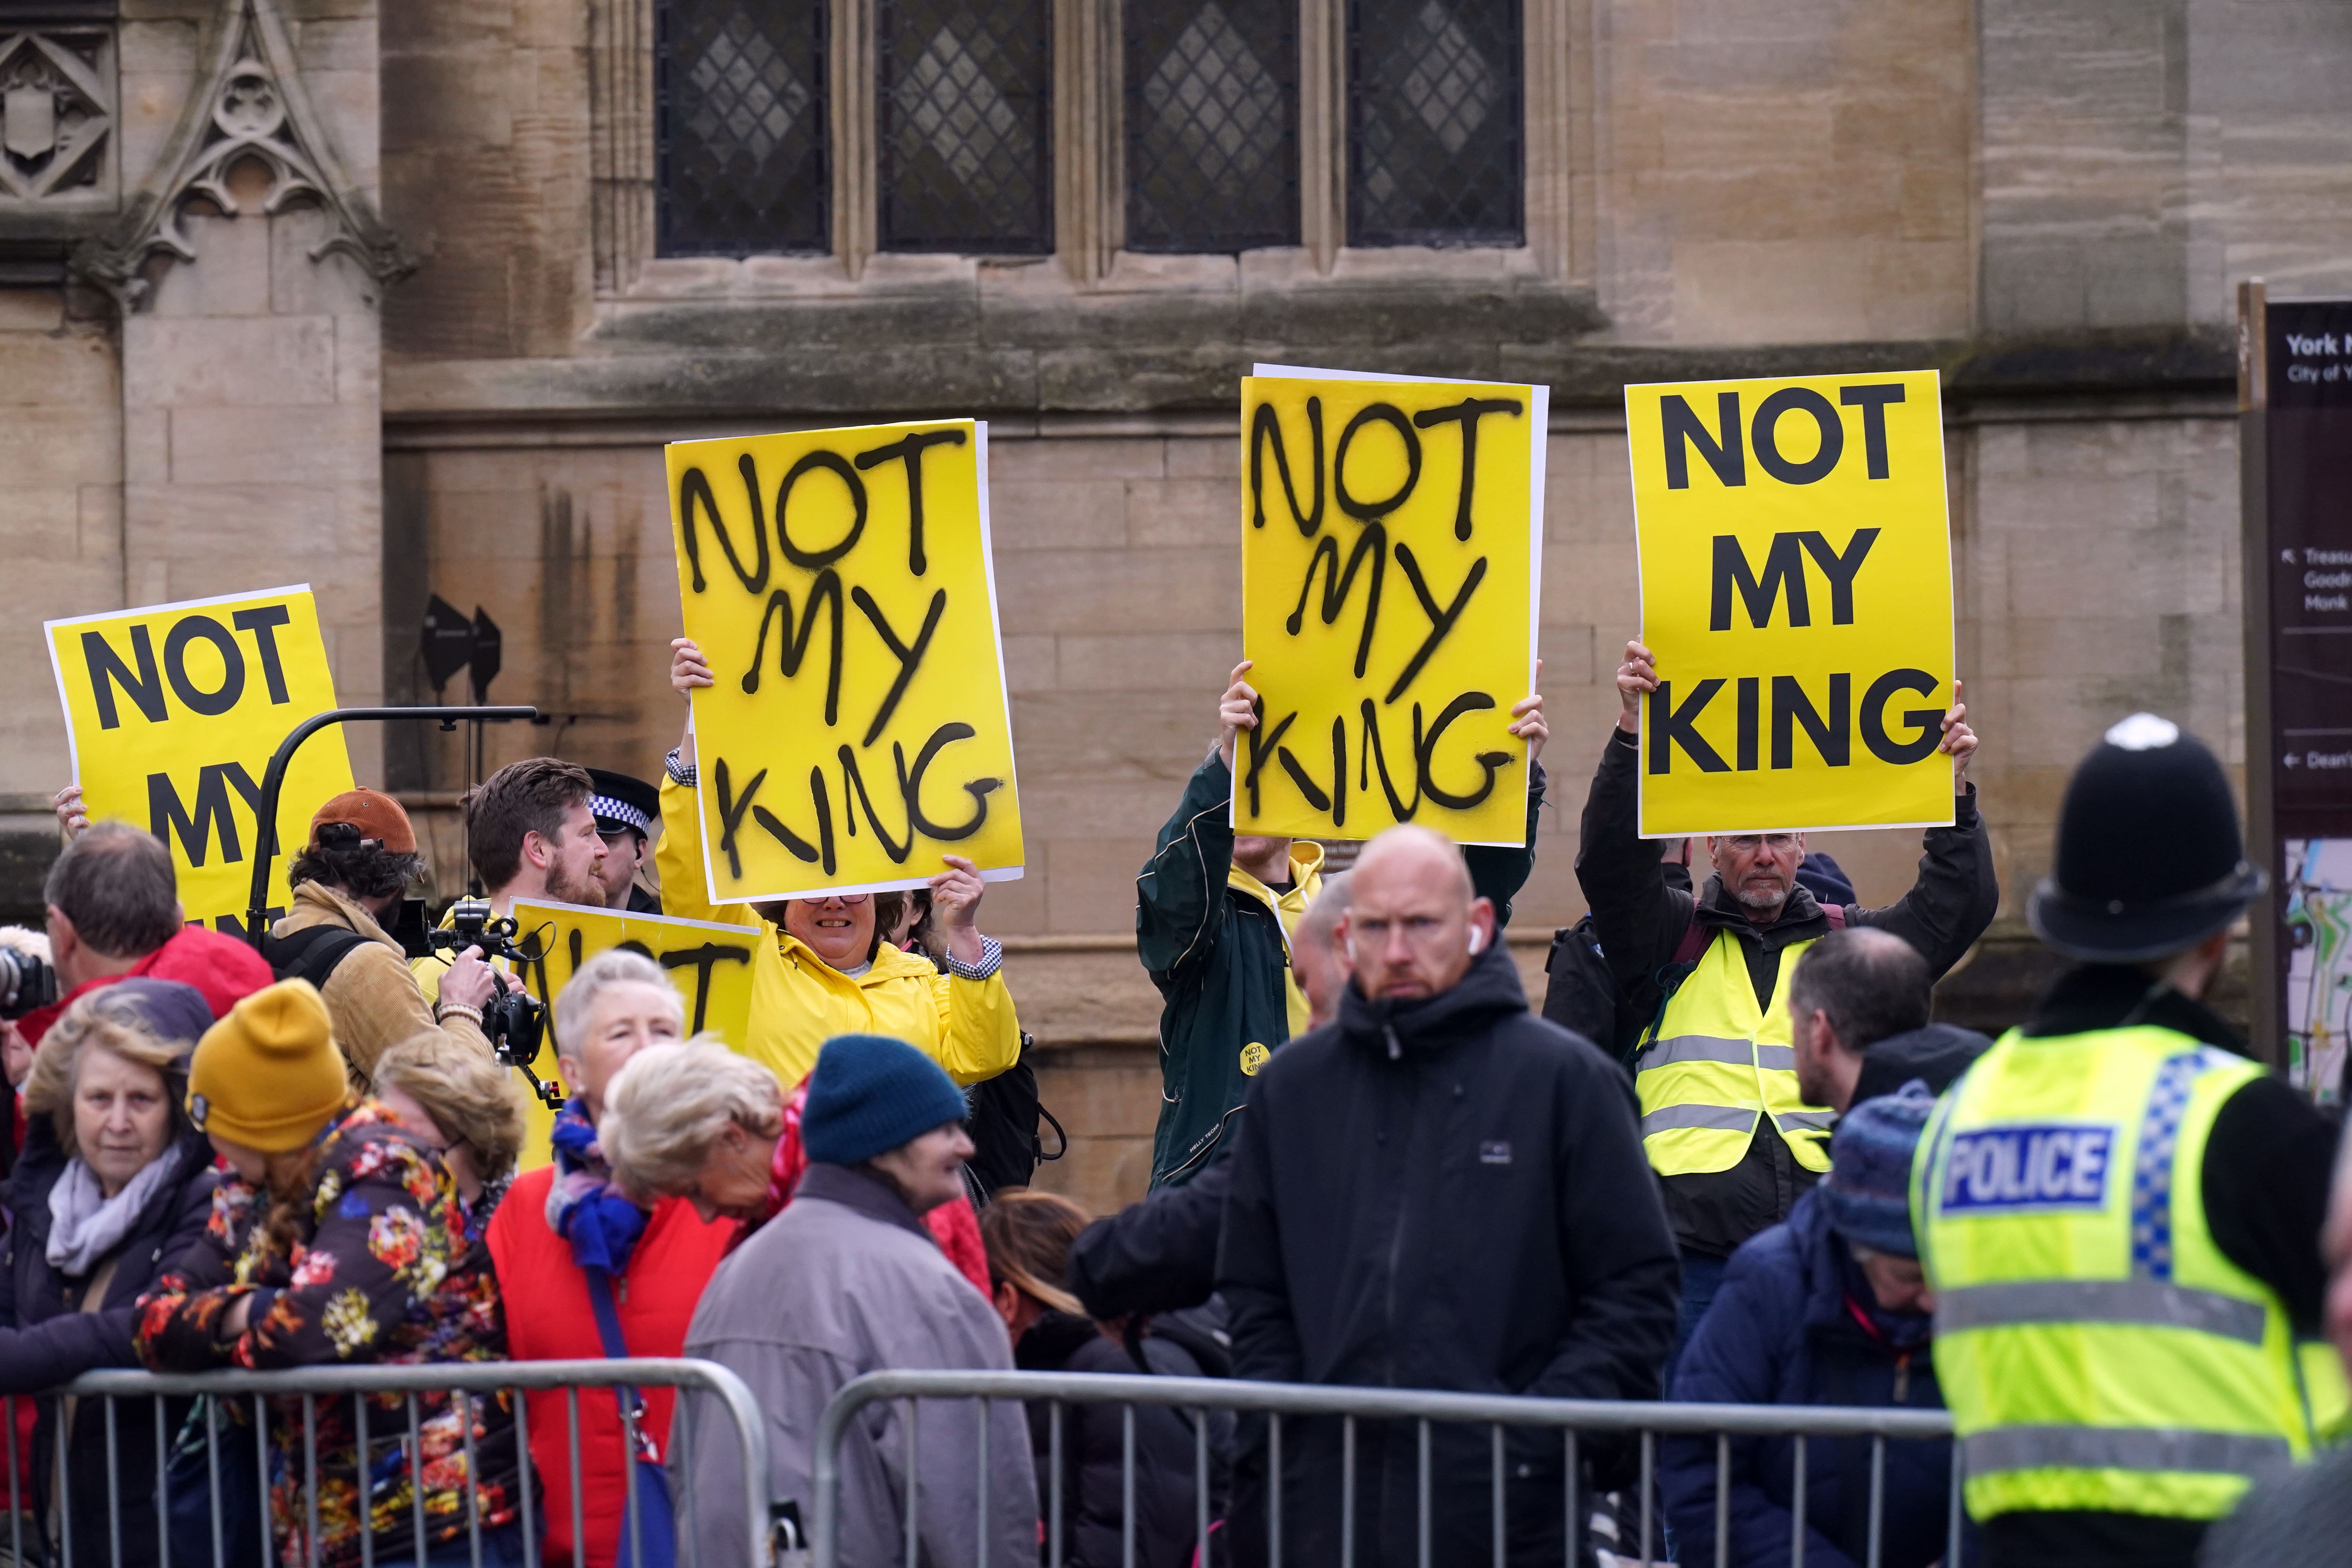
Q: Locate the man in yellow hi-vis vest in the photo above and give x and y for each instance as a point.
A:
(2119, 1212)
(1705, 978)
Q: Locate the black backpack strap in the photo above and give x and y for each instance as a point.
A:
(311, 953)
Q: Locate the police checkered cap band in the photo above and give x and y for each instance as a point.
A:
(605, 808)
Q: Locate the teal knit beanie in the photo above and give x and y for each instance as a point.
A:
(869, 1094)
(1868, 1189)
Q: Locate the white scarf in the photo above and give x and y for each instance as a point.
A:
(85, 1224)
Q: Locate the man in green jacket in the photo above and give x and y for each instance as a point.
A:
(1213, 915)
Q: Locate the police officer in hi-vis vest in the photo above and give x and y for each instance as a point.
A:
(1706, 976)
(2119, 1212)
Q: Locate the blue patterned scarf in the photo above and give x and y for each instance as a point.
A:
(583, 1205)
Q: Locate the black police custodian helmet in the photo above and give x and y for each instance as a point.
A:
(624, 804)
(2149, 861)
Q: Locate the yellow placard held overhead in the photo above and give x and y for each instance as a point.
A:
(171, 715)
(709, 963)
(1392, 531)
(840, 586)
(1796, 596)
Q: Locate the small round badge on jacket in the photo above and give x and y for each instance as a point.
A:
(1253, 1057)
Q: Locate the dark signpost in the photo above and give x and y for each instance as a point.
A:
(2294, 404)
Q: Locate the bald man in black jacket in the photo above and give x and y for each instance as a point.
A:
(1442, 1191)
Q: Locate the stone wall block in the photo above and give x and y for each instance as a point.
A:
(97, 521)
(324, 44)
(31, 311)
(1198, 662)
(42, 521)
(309, 445)
(359, 358)
(57, 369)
(1077, 736)
(1125, 458)
(1165, 513)
(230, 276)
(1097, 808)
(157, 59)
(1571, 658)
(1093, 886)
(229, 361)
(1057, 514)
(1029, 664)
(333, 284)
(1207, 457)
(58, 447)
(214, 522)
(146, 447)
(1018, 907)
(1115, 591)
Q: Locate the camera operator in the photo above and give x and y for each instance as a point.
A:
(348, 877)
(114, 912)
(530, 834)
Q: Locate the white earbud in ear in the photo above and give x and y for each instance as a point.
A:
(1477, 942)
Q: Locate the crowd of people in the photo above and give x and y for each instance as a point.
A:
(1755, 1172)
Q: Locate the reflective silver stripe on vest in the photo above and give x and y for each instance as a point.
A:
(1716, 1118)
(1808, 1120)
(2121, 1448)
(1709, 1048)
(2135, 1304)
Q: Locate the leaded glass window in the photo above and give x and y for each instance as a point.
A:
(965, 126)
(1211, 124)
(1434, 138)
(739, 105)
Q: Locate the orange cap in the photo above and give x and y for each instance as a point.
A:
(375, 814)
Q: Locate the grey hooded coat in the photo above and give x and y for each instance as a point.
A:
(843, 1282)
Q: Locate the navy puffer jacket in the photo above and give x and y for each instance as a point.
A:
(49, 1336)
(1795, 1323)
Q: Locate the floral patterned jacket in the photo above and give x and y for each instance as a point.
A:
(382, 1272)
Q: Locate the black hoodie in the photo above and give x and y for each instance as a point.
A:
(1444, 1193)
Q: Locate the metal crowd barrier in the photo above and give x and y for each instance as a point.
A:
(1277, 1401)
(314, 1385)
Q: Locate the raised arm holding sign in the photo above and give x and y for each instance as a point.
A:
(1392, 531)
(1765, 699)
(819, 967)
(171, 713)
(836, 585)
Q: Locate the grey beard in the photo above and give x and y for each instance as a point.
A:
(1759, 900)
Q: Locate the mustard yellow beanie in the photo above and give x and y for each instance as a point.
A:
(268, 1075)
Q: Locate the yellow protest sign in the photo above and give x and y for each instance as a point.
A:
(840, 586)
(711, 964)
(171, 714)
(1390, 538)
(1797, 595)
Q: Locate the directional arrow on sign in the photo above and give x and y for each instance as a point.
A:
(2287, 556)
(2290, 759)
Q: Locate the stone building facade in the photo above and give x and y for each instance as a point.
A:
(401, 297)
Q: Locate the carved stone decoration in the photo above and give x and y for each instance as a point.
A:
(251, 110)
(57, 118)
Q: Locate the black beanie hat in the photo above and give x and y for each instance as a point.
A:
(2149, 861)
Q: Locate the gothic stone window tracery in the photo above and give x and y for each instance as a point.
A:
(57, 118)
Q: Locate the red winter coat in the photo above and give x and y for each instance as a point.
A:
(225, 969)
(548, 1319)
